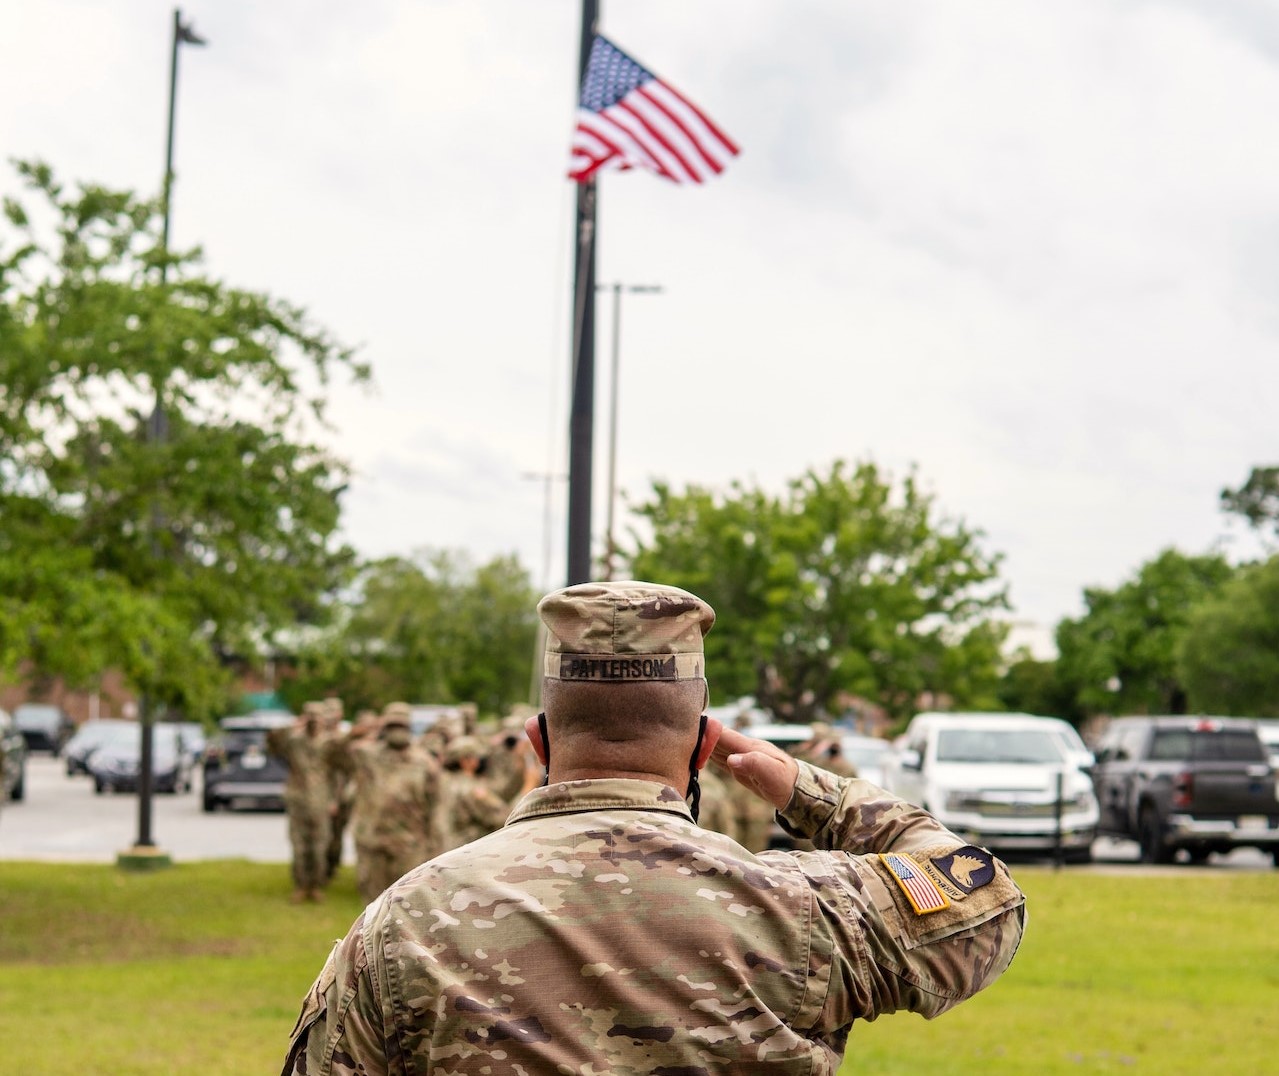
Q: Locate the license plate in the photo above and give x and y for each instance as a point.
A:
(1253, 821)
(253, 762)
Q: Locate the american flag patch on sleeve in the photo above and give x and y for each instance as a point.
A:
(920, 890)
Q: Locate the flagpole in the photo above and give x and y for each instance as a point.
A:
(582, 413)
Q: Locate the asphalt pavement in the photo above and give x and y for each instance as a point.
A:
(63, 820)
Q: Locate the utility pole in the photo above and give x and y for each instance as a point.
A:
(582, 413)
(144, 854)
(616, 288)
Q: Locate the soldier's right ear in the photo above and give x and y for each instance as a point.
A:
(533, 730)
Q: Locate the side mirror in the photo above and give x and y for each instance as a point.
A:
(912, 760)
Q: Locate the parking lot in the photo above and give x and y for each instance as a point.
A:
(62, 819)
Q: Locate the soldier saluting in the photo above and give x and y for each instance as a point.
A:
(602, 930)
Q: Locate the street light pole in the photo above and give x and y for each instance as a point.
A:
(157, 433)
(617, 288)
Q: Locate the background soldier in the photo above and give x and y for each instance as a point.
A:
(508, 752)
(397, 787)
(342, 791)
(470, 808)
(825, 750)
(307, 798)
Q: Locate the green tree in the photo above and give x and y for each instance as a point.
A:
(1036, 687)
(1257, 500)
(840, 584)
(209, 521)
(1121, 655)
(1229, 656)
(432, 628)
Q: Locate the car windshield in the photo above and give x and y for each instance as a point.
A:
(33, 716)
(1216, 745)
(865, 754)
(998, 745)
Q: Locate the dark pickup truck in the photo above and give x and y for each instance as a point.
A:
(1202, 784)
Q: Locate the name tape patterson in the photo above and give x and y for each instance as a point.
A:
(635, 667)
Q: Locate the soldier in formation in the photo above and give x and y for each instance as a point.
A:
(307, 799)
(469, 807)
(603, 930)
(397, 791)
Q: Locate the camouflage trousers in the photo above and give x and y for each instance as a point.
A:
(378, 865)
(337, 827)
(309, 838)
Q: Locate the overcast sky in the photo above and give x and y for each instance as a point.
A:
(1030, 249)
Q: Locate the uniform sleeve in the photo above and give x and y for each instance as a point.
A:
(340, 1029)
(911, 916)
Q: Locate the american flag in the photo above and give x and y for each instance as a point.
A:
(629, 118)
(921, 890)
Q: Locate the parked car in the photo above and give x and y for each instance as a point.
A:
(13, 775)
(868, 754)
(44, 727)
(238, 769)
(1202, 784)
(116, 765)
(87, 739)
(1269, 733)
(994, 780)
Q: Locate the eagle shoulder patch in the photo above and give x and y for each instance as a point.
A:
(966, 868)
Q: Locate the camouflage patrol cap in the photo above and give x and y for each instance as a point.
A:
(463, 747)
(619, 632)
(397, 713)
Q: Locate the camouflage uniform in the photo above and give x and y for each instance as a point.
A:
(717, 804)
(505, 766)
(342, 792)
(308, 800)
(469, 807)
(602, 931)
(685, 953)
(752, 817)
(396, 828)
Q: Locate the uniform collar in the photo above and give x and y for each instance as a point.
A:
(606, 793)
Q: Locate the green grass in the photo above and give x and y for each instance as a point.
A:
(201, 969)
(1170, 973)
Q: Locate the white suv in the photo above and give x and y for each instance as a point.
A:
(995, 779)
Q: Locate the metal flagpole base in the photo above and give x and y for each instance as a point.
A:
(141, 858)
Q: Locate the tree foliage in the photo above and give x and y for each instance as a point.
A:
(1257, 500)
(1032, 686)
(432, 628)
(1121, 655)
(1229, 656)
(840, 584)
(198, 527)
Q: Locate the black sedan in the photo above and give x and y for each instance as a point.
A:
(88, 738)
(117, 764)
(43, 726)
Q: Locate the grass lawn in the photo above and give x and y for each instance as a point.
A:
(200, 969)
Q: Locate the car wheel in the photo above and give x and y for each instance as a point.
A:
(1154, 847)
(19, 790)
(98, 786)
(210, 803)
(1079, 856)
(1274, 854)
(1198, 856)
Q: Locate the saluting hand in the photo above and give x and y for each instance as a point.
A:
(765, 769)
